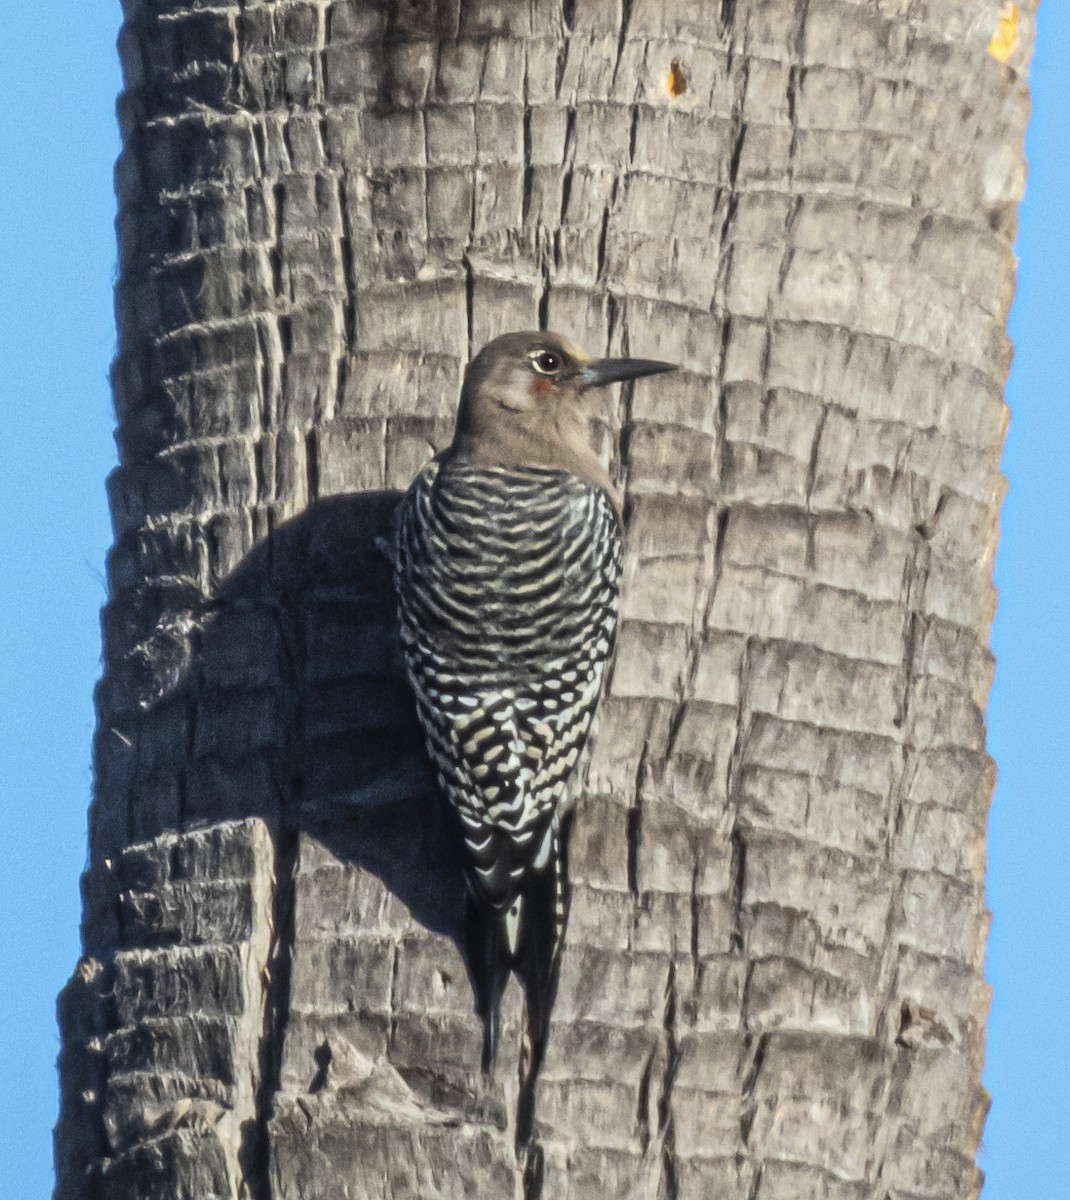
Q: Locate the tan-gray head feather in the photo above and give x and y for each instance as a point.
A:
(524, 403)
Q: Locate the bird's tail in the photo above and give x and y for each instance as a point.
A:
(537, 962)
(527, 938)
(488, 965)
(538, 966)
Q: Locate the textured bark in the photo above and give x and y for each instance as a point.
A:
(772, 988)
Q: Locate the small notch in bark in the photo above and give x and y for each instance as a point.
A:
(720, 535)
(920, 1027)
(312, 464)
(677, 79)
(634, 831)
(926, 529)
(469, 303)
(323, 1057)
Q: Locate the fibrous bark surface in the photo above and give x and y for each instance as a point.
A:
(772, 988)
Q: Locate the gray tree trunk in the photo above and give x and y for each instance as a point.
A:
(772, 988)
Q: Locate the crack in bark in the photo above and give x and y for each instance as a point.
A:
(756, 1182)
(739, 745)
(469, 295)
(669, 1184)
(756, 1050)
(395, 966)
(634, 832)
(528, 178)
(915, 582)
(737, 875)
(796, 79)
(811, 466)
(913, 630)
(695, 944)
(737, 838)
(312, 469)
(266, 362)
(278, 193)
(254, 1153)
(349, 304)
(718, 550)
(603, 232)
(695, 916)
(642, 1103)
(568, 13)
(790, 222)
(544, 296)
(613, 313)
(568, 151)
(622, 37)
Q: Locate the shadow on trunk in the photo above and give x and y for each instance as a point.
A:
(314, 604)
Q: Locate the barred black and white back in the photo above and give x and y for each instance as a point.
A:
(508, 582)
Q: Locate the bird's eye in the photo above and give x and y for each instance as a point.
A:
(546, 362)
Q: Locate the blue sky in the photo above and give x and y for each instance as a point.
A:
(58, 142)
(1027, 1140)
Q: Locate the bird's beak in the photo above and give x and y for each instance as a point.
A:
(603, 371)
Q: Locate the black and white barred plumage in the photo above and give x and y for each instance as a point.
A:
(507, 567)
(507, 581)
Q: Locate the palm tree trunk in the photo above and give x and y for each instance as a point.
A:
(773, 987)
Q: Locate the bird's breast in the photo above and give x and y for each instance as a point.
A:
(506, 564)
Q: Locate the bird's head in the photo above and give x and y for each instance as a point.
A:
(525, 403)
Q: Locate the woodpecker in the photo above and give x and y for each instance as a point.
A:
(507, 573)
